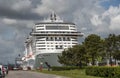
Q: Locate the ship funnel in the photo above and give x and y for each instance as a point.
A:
(53, 17)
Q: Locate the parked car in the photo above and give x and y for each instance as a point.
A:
(2, 71)
(1, 76)
(15, 68)
(6, 69)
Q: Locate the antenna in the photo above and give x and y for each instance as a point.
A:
(51, 17)
(54, 16)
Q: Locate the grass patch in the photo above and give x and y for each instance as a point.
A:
(69, 73)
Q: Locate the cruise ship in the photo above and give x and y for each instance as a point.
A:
(47, 40)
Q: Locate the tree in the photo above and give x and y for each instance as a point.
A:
(92, 49)
(112, 44)
(79, 55)
(73, 56)
(93, 46)
(116, 50)
(66, 57)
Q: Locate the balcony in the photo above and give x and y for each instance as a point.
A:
(56, 34)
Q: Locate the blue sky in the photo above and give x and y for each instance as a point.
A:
(106, 4)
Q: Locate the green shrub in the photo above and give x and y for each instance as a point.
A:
(109, 72)
(59, 68)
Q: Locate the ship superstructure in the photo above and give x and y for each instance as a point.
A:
(48, 39)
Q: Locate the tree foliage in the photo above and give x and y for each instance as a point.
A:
(93, 46)
(117, 48)
(92, 49)
(112, 45)
(73, 56)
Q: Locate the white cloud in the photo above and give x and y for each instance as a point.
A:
(59, 6)
(108, 21)
(84, 29)
(112, 11)
(9, 21)
(96, 20)
(30, 24)
(115, 23)
(114, 14)
(88, 17)
(21, 5)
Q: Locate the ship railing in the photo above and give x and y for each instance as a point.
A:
(72, 33)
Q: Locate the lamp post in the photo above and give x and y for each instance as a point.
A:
(41, 63)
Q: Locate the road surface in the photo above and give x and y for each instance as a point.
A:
(29, 74)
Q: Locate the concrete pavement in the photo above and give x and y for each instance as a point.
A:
(29, 74)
